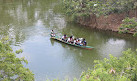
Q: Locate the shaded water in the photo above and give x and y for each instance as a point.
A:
(28, 24)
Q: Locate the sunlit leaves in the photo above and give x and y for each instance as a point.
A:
(129, 25)
(11, 68)
(19, 51)
(114, 69)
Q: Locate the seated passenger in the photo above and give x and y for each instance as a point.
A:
(75, 41)
(81, 44)
(70, 39)
(64, 37)
(84, 42)
(78, 42)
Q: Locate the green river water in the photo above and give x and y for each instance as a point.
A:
(29, 22)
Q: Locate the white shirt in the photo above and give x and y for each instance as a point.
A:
(68, 40)
(62, 37)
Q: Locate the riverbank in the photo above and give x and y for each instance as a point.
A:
(111, 22)
(104, 15)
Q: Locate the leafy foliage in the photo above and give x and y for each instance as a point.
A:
(98, 7)
(11, 68)
(129, 25)
(114, 69)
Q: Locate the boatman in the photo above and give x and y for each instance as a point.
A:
(52, 33)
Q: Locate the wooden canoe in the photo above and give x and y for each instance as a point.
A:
(84, 47)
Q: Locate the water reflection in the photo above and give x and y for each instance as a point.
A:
(114, 46)
(52, 42)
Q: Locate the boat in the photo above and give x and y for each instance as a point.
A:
(60, 40)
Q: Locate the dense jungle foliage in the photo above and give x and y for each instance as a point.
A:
(76, 8)
(11, 67)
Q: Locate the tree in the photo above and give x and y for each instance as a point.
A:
(11, 67)
(99, 7)
(114, 69)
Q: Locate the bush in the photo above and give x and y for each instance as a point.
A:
(129, 25)
(114, 69)
(11, 68)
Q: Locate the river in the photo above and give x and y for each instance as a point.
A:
(28, 24)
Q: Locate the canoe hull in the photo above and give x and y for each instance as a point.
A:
(84, 47)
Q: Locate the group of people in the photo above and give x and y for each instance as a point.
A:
(71, 39)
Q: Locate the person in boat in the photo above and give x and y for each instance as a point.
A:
(75, 41)
(52, 33)
(80, 41)
(64, 37)
(84, 42)
(70, 39)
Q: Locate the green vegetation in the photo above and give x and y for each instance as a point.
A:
(11, 68)
(114, 69)
(84, 8)
(129, 26)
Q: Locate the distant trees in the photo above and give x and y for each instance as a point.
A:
(11, 68)
(98, 7)
(80, 10)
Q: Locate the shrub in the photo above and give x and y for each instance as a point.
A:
(129, 25)
(114, 69)
(11, 68)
